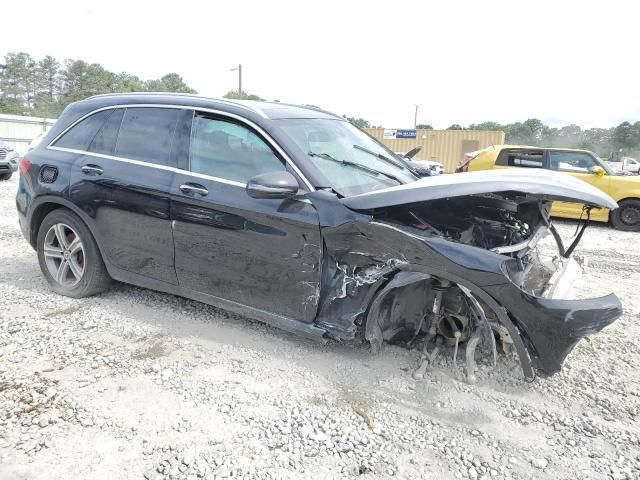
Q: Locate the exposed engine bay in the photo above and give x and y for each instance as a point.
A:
(507, 223)
(486, 221)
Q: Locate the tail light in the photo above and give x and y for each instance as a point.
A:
(466, 160)
(24, 166)
(464, 166)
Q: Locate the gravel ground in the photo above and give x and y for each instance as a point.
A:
(138, 384)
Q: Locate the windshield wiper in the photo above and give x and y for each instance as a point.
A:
(378, 155)
(357, 165)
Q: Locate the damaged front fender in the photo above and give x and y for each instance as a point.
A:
(388, 282)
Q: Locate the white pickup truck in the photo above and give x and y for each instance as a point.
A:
(625, 165)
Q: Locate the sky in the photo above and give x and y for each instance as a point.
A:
(463, 62)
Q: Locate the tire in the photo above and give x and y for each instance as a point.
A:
(5, 176)
(627, 216)
(73, 266)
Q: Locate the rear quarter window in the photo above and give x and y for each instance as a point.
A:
(521, 158)
(81, 134)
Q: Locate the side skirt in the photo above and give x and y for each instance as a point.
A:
(279, 321)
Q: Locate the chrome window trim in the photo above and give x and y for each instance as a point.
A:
(151, 165)
(245, 121)
(235, 103)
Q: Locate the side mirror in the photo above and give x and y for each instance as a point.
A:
(598, 170)
(272, 185)
(424, 171)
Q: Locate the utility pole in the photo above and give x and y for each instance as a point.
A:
(415, 117)
(239, 69)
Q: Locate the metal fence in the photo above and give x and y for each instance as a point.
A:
(18, 131)
(445, 146)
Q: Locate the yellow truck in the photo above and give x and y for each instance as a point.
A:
(583, 164)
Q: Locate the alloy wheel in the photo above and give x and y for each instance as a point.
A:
(64, 254)
(630, 216)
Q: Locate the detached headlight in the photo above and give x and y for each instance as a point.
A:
(514, 270)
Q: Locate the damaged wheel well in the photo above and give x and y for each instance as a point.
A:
(415, 303)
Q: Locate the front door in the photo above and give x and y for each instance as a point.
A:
(261, 253)
(579, 165)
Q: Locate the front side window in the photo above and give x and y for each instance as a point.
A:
(146, 134)
(576, 162)
(230, 151)
(80, 135)
(350, 160)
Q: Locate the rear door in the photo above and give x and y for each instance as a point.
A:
(261, 253)
(122, 181)
(579, 165)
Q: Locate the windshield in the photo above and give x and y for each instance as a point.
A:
(604, 165)
(340, 151)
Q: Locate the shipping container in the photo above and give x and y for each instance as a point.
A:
(444, 146)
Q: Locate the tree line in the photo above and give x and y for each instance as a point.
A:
(44, 87)
(603, 141)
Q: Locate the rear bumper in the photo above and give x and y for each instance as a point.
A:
(23, 199)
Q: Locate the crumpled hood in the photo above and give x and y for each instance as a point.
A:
(542, 184)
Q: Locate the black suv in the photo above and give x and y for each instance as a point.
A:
(293, 216)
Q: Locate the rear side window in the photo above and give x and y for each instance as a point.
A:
(146, 134)
(521, 158)
(105, 140)
(80, 136)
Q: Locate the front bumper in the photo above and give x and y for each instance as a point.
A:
(7, 167)
(9, 164)
(550, 327)
(561, 284)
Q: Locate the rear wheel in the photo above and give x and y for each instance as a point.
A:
(69, 257)
(627, 215)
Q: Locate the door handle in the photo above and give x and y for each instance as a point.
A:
(92, 169)
(194, 189)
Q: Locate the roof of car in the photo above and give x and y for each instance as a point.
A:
(562, 149)
(269, 110)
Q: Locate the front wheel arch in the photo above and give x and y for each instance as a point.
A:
(501, 313)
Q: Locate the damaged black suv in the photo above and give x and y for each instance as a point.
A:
(292, 216)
